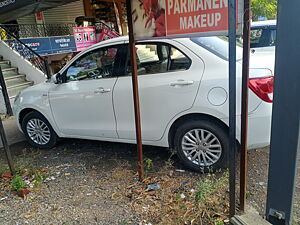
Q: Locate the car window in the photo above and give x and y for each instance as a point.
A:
(98, 64)
(178, 61)
(159, 58)
(218, 46)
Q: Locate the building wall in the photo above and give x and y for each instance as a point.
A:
(65, 13)
(29, 19)
(61, 14)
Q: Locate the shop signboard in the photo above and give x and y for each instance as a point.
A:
(107, 34)
(84, 37)
(51, 45)
(178, 18)
(62, 44)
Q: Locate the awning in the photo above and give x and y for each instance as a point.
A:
(14, 9)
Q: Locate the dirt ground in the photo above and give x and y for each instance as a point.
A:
(258, 161)
(82, 186)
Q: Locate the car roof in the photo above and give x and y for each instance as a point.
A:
(126, 39)
(264, 23)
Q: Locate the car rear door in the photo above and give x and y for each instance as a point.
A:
(169, 77)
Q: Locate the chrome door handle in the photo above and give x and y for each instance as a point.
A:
(182, 83)
(102, 90)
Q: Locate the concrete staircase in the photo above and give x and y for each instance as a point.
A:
(15, 82)
(147, 53)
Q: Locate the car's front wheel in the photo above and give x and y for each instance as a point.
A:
(38, 130)
(202, 145)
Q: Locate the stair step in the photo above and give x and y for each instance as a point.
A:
(13, 91)
(30, 83)
(4, 61)
(15, 81)
(9, 72)
(4, 65)
(13, 76)
(9, 69)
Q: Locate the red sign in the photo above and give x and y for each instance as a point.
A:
(161, 18)
(107, 34)
(39, 16)
(84, 37)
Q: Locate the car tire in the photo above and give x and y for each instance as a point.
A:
(38, 130)
(203, 141)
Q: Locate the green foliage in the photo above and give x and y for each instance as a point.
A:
(38, 178)
(124, 222)
(209, 185)
(218, 222)
(148, 164)
(265, 8)
(18, 183)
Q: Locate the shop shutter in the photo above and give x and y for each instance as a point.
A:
(30, 19)
(64, 14)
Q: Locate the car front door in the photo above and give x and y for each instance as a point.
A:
(169, 77)
(82, 105)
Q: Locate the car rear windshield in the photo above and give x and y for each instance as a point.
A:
(217, 46)
(262, 37)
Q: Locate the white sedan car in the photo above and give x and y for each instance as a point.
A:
(183, 87)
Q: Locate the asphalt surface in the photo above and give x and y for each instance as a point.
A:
(13, 134)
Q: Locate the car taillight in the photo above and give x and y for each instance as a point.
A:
(263, 87)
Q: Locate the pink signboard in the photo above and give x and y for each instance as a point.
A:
(107, 34)
(84, 37)
(182, 18)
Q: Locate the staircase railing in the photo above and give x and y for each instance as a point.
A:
(40, 30)
(15, 43)
(47, 30)
(5, 94)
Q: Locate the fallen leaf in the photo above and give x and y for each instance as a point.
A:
(6, 175)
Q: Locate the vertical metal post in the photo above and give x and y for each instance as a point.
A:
(286, 116)
(232, 102)
(44, 29)
(244, 110)
(135, 91)
(5, 94)
(47, 69)
(6, 148)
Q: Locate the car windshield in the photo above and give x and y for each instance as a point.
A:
(218, 46)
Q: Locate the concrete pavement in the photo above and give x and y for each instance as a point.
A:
(12, 132)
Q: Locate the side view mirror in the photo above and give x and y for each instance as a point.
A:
(57, 78)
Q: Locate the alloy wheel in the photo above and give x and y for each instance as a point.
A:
(38, 131)
(201, 147)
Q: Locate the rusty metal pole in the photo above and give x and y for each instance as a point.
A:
(6, 148)
(232, 105)
(135, 92)
(244, 110)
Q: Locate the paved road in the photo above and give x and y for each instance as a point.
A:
(12, 132)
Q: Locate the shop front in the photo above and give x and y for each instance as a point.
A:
(58, 31)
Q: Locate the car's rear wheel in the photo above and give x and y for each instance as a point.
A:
(202, 145)
(38, 130)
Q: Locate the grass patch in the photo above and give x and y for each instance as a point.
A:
(184, 198)
(27, 174)
(18, 183)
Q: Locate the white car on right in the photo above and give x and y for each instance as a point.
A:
(262, 44)
(263, 34)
